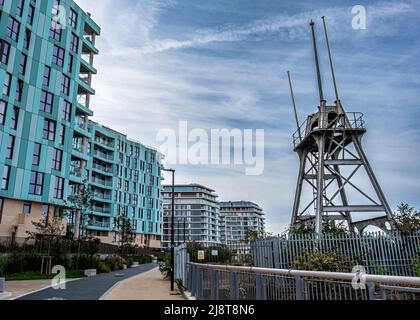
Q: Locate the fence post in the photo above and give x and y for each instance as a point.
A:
(371, 290)
(193, 281)
(260, 287)
(234, 290)
(300, 288)
(200, 276)
(214, 285)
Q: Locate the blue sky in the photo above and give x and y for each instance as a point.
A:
(222, 64)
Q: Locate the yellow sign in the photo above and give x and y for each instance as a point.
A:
(200, 254)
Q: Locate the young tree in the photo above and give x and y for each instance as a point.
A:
(406, 219)
(126, 233)
(48, 230)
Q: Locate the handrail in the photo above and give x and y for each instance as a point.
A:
(317, 274)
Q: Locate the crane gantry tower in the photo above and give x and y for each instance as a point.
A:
(329, 145)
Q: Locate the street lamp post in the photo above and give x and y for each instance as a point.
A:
(172, 228)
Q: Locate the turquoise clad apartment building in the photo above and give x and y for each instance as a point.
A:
(48, 145)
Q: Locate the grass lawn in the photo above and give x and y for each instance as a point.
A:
(72, 274)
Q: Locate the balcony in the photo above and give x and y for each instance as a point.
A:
(84, 85)
(105, 197)
(103, 156)
(76, 174)
(80, 127)
(86, 66)
(88, 46)
(77, 151)
(102, 182)
(99, 224)
(82, 104)
(101, 211)
(104, 143)
(103, 170)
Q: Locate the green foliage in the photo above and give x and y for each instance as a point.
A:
(19, 262)
(72, 274)
(103, 267)
(323, 261)
(114, 262)
(406, 219)
(86, 261)
(251, 235)
(225, 255)
(165, 266)
(141, 258)
(328, 227)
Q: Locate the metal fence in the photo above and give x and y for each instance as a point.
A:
(392, 254)
(217, 282)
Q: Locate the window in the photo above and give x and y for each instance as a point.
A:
(47, 76)
(10, 147)
(45, 209)
(15, 118)
(19, 8)
(65, 85)
(49, 130)
(27, 207)
(55, 31)
(73, 18)
(36, 183)
(19, 90)
(5, 49)
(27, 39)
(74, 43)
(59, 188)
(7, 84)
(5, 178)
(67, 111)
(31, 14)
(58, 56)
(57, 159)
(13, 29)
(3, 110)
(47, 100)
(22, 64)
(37, 154)
(62, 134)
(70, 65)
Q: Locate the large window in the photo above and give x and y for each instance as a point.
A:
(7, 84)
(5, 178)
(3, 111)
(10, 147)
(19, 8)
(22, 64)
(5, 49)
(47, 100)
(62, 134)
(27, 207)
(59, 188)
(70, 65)
(19, 90)
(31, 14)
(57, 159)
(27, 39)
(74, 43)
(55, 31)
(37, 154)
(58, 56)
(47, 76)
(49, 130)
(73, 18)
(13, 29)
(67, 111)
(15, 118)
(36, 184)
(65, 85)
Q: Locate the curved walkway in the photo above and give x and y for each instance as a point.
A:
(91, 288)
(146, 286)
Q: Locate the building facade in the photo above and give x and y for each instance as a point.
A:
(196, 215)
(125, 179)
(46, 69)
(239, 217)
(48, 147)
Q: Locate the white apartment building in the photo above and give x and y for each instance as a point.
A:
(237, 217)
(196, 215)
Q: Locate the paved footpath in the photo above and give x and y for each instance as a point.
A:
(146, 286)
(91, 288)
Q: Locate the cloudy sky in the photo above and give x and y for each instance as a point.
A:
(222, 64)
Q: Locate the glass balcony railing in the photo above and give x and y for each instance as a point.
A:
(77, 172)
(103, 155)
(104, 210)
(103, 182)
(102, 168)
(100, 224)
(104, 196)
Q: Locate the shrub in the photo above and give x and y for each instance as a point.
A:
(86, 261)
(114, 262)
(141, 258)
(323, 261)
(416, 266)
(165, 266)
(18, 262)
(103, 267)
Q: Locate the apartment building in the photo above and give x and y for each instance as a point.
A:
(239, 217)
(48, 146)
(196, 215)
(125, 179)
(46, 70)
